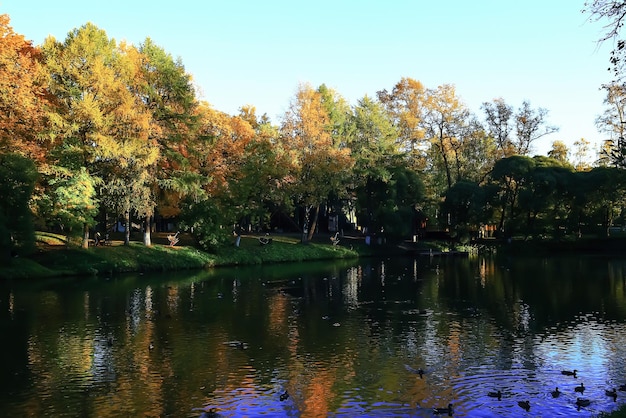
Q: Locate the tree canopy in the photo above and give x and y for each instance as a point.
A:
(112, 136)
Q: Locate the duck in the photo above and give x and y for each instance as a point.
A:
(440, 411)
(582, 402)
(556, 392)
(497, 394)
(623, 388)
(612, 393)
(415, 371)
(524, 405)
(580, 388)
(569, 372)
(284, 396)
(210, 413)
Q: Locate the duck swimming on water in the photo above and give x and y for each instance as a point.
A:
(582, 402)
(569, 372)
(612, 393)
(524, 405)
(580, 388)
(555, 393)
(497, 394)
(440, 411)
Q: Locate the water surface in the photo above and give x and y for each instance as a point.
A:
(319, 339)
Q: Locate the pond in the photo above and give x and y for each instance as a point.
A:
(338, 339)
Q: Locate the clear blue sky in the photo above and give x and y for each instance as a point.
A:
(257, 52)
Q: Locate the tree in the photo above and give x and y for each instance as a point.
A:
(581, 154)
(559, 151)
(374, 149)
(613, 123)
(318, 163)
(605, 195)
(465, 205)
(444, 122)
(511, 175)
(72, 201)
(18, 175)
(404, 104)
(545, 198)
(101, 121)
(500, 125)
(213, 200)
(167, 91)
(615, 12)
(479, 153)
(23, 95)
(530, 125)
(391, 202)
(261, 186)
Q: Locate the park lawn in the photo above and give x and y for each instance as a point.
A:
(55, 259)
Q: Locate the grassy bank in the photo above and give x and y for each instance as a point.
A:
(54, 258)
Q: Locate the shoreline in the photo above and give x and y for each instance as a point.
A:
(55, 259)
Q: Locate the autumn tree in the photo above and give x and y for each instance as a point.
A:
(318, 163)
(479, 154)
(102, 124)
(581, 154)
(444, 121)
(168, 93)
(23, 95)
(530, 125)
(264, 177)
(499, 122)
(559, 151)
(404, 104)
(217, 155)
(374, 148)
(613, 123)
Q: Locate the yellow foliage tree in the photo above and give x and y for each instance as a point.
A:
(23, 95)
(317, 161)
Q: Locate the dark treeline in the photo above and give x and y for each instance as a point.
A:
(96, 135)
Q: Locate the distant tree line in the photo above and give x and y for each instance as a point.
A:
(95, 133)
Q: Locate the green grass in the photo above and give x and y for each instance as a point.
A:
(49, 238)
(54, 259)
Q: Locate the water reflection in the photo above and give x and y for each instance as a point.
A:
(320, 339)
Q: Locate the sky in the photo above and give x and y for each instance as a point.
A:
(245, 52)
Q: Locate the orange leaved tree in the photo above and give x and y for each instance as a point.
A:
(318, 163)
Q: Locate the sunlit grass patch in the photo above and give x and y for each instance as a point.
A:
(50, 238)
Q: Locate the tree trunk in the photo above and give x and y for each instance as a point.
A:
(85, 236)
(305, 225)
(127, 228)
(147, 239)
(314, 223)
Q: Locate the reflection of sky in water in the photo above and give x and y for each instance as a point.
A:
(351, 288)
(346, 344)
(589, 346)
